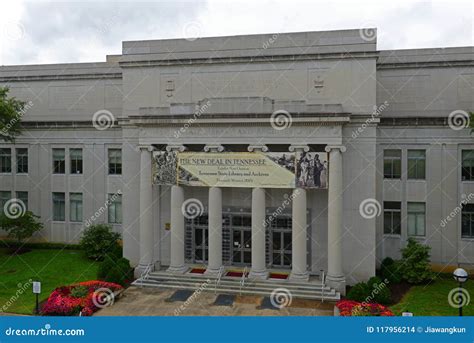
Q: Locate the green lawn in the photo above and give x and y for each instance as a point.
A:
(52, 267)
(432, 299)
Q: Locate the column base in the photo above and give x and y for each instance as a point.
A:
(299, 276)
(140, 269)
(258, 274)
(212, 271)
(177, 270)
(337, 282)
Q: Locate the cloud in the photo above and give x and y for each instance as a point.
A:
(60, 32)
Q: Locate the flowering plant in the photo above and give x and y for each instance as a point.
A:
(64, 301)
(355, 308)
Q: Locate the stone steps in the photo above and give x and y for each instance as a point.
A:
(232, 285)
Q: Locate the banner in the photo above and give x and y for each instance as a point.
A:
(241, 169)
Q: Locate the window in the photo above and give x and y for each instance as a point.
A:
(115, 208)
(76, 161)
(392, 217)
(23, 197)
(468, 165)
(59, 209)
(467, 221)
(115, 161)
(59, 161)
(22, 160)
(75, 207)
(392, 164)
(416, 164)
(5, 160)
(4, 197)
(416, 218)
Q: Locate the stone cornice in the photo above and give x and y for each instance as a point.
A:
(62, 77)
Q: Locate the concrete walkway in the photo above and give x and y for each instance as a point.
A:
(137, 301)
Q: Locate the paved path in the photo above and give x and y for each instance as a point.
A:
(137, 301)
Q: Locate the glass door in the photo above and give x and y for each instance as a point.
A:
(241, 239)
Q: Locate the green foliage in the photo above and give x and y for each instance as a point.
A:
(22, 227)
(359, 292)
(98, 240)
(415, 264)
(79, 291)
(11, 111)
(391, 270)
(115, 270)
(379, 291)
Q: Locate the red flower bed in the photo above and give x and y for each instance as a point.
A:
(354, 308)
(62, 302)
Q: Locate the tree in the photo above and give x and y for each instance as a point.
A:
(11, 111)
(22, 227)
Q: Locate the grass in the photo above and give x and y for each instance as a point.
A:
(432, 299)
(52, 267)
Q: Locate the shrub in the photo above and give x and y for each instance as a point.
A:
(415, 264)
(79, 291)
(115, 270)
(391, 270)
(98, 240)
(22, 227)
(359, 292)
(379, 291)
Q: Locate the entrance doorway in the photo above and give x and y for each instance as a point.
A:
(241, 233)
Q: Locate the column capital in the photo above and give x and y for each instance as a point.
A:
(175, 148)
(328, 148)
(257, 148)
(299, 148)
(150, 148)
(213, 148)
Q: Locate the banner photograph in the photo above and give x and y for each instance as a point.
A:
(241, 169)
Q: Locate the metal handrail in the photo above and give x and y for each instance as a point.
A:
(144, 275)
(323, 283)
(218, 279)
(242, 280)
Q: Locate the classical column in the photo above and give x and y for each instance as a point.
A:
(258, 269)
(215, 222)
(299, 269)
(146, 211)
(177, 225)
(335, 276)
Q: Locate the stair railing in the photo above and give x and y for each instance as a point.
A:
(242, 280)
(218, 279)
(145, 274)
(323, 283)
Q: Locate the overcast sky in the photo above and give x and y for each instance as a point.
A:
(83, 31)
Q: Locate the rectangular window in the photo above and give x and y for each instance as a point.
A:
(416, 218)
(23, 197)
(416, 164)
(59, 161)
(22, 160)
(4, 197)
(115, 208)
(467, 221)
(115, 161)
(468, 165)
(5, 160)
(75, 207)
(59, 208)
(392, 164)
(75, 156)
(392, 217)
